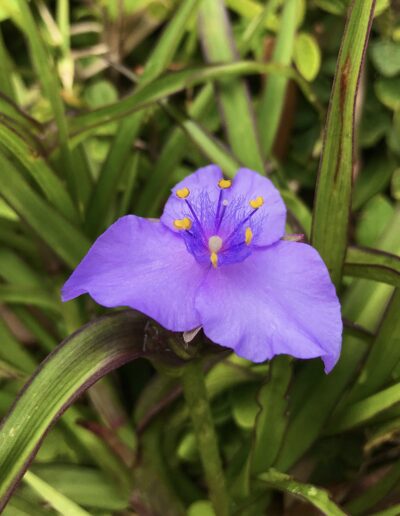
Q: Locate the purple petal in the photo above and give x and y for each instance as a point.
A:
(280, 300)
(204, 181)
(272, 215)
(143, 265)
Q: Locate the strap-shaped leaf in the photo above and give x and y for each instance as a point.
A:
(362, 411)
(58, 233)
(37, 167)
(384, 354)
(75, 365)
(362, 262)
(172, 83)
(315, 495)
(219, 47)
(129, 128)
(333, 194)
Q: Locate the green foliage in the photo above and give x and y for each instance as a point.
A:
(103, 107)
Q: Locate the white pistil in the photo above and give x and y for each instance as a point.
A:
(214, 243)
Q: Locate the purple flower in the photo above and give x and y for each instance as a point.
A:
(216, 259)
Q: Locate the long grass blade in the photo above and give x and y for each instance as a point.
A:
(83, 358)
(236, 109)
(333, 194)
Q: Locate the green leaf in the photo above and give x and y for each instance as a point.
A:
(245, 407)
(201, 508)
(384, 354)
(395, 185)
(373, 218)
(58, 501)
(128, 130)
(13, 352)
(27, 295)
(6, 85)
(172, 83)
(333, 193)
(158, 183)
(373, 179)
(9, 372)
(84, 485)
(219, 47)
(385, 55)
(215, 151)
(313, 397)
(364, 410)
(86, 356)
(16, 271)
(391, 511)
(271, 419)
(271, 104)
(365, 301)
(372, 264)
(44, 66)
(388, 92)
(369, 498)
(270, 424)
(100, 93)
(316, 496)
(58, 233)
(307, 56)
(332, 6)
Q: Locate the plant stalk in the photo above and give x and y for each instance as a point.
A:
(195, 392)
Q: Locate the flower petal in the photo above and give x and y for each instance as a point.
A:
(280, 300)
(143, 265)
(202, 182)
(272, 214)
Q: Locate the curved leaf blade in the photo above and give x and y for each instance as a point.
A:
(58, 233)
(75, 365)
(58, 501)
(219, 47)
(362, 411)
(362, 262)
(315, 495)
(175, 82)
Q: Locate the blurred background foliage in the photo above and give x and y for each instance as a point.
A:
(104, 105)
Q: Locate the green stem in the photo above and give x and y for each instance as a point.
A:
(198, 405)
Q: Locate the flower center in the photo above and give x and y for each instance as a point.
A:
(202, 226)
(214, 243)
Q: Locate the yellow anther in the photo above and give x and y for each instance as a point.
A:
(183, 193)
(248, 236)
(224, 183)
(185, 223)
(257, 202)
(214, 260)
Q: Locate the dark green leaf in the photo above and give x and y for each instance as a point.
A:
(235, 105)
(83, 358)
(318, 497)
(333, 194)
(372, 264)
(57, 232)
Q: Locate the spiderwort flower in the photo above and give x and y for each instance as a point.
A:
(216, 259)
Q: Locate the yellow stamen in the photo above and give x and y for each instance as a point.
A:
(185, 223)
(183, 193)
(257, 202)
(214, 260)
(224, 183)
(248, 236)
